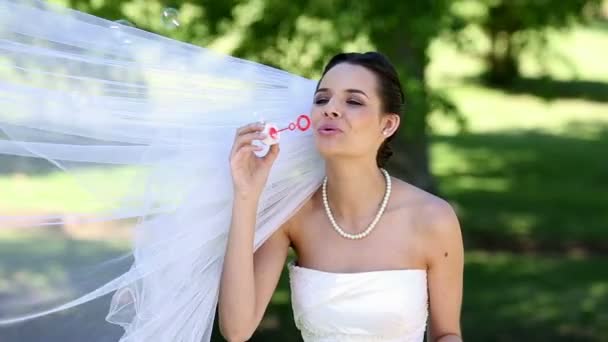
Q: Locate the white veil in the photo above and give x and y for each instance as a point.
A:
(139, 129)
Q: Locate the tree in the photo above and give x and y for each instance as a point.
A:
(314, 30)
(299, 36)
(512, 25)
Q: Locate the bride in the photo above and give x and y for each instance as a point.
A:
(376, 256)
(141, 126)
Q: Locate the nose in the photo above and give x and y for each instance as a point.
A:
(332, 114)
(331, 111)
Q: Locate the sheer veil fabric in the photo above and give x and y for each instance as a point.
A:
(139, 128)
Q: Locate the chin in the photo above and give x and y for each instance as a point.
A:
(331, 146)
(329, 151)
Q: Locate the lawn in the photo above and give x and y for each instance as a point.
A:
(528, 177)
(507, 297)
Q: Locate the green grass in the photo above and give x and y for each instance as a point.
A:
(47, 190)
(575, 54)
(44, 269)
(528, 170)
(39, 261)
(489, 110)
(529, 174)
(526, 188)
(528, 177)
(550, 298)
(507, 297)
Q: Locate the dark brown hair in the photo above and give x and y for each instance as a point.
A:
(390, 92)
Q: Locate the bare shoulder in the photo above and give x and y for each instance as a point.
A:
(304, 212)
(433, 219)
(431, 210)
(439, 242)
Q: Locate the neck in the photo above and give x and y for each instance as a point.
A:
(355, 191)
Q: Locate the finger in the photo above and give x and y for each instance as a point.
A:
(272, 154)
(244, 152)
(252, 127)
(249, 148)
(246, 139)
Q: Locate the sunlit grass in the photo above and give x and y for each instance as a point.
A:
(575, 54)
(44, 263)
(491, 110)
(84, 190)
(510, 297)
(530, 171)
(523, 187)
(507, 297)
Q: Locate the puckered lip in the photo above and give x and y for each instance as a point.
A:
(329, 127)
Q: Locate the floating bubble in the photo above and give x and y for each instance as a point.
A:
(169, 18)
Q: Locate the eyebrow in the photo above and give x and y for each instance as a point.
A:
(357, 91)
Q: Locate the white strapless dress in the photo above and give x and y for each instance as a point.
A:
(386, 306)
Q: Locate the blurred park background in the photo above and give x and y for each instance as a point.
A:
(507, 118)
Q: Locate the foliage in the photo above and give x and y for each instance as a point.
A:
(300, 36)
(511, 26)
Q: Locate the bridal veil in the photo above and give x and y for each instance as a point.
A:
(138, 128)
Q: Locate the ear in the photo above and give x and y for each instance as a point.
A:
(390, 123)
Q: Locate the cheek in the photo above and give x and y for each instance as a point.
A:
(363, 121)
(365, 128)
(316, 114)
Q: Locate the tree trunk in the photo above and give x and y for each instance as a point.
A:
(412, 160)
(503, 67)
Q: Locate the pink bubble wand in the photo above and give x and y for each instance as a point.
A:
(303, 123)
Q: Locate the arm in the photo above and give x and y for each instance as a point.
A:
(450, 338)
(445, 274)
(248, 280)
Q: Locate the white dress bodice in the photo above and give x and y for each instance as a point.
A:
(387, 306)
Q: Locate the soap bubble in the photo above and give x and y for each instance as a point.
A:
(169, 18)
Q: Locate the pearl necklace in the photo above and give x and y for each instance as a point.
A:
(371, 227)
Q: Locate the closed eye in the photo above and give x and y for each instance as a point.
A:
(320, 101)
(356, 103)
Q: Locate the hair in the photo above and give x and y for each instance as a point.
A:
(390, 91)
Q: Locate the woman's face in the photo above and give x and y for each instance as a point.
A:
(346, 113)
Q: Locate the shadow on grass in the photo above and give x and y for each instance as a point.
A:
(523, 189)
(528, 190)
(506, 298)
(553, 89)
(25, 165)
(36, 266)
(522, 298)
(38, 165)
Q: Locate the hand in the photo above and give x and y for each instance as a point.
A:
(250, 172)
